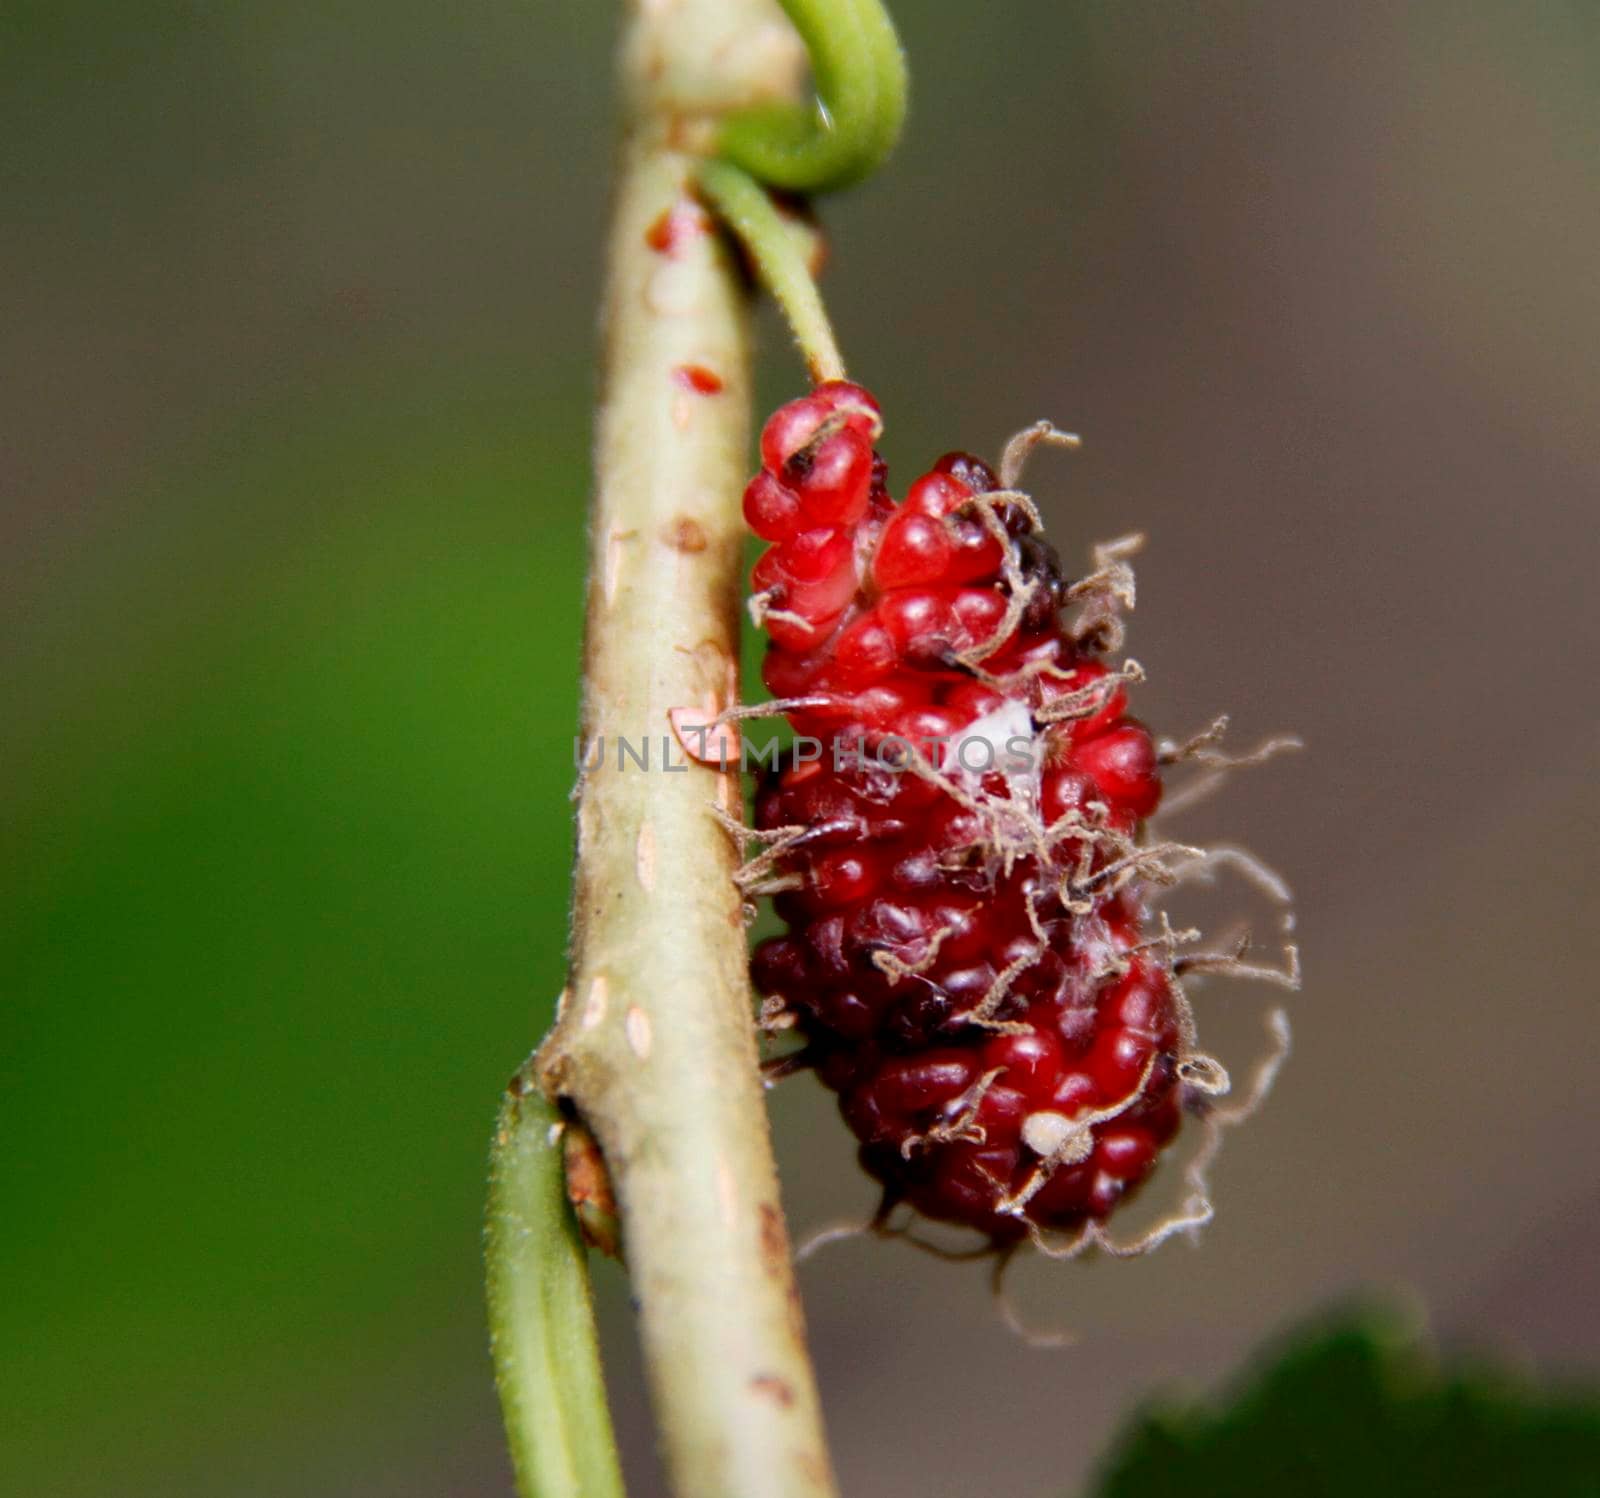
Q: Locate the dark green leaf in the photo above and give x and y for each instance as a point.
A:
(1354, 1407)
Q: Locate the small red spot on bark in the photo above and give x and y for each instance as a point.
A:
(698, 378)
(678, 225)
(685, 534)
(779, 1390)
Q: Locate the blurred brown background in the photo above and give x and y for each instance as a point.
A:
(298, 339)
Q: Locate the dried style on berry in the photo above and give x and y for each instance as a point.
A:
(962, 863)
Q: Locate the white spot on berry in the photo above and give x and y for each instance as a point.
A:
(1057, 1137)
(637, 1028)
(996, 742)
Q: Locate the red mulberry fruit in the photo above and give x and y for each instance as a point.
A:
(955, 843)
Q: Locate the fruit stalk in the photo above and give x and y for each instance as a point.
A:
(654, 1044)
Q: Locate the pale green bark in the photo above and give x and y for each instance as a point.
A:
(655, 1044)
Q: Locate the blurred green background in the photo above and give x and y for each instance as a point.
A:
(298, 328)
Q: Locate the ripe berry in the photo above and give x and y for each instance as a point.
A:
(834, 482)
(914, 549)
(1122, 761)
(1003, 1037)
(795, 427)
(811, 575)
(771, 509)
(977, 475)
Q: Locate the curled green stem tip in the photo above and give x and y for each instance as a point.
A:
(847, 131)
(838, 139)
